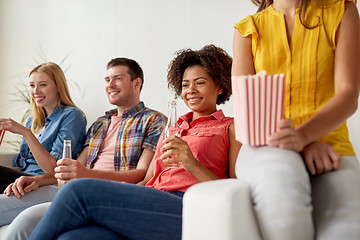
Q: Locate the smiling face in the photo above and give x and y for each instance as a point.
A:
(199, 91)
(44, 91)
(120, 90)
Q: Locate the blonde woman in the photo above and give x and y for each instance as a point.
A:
(55, 118)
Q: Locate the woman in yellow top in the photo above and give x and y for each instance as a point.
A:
(306, 182)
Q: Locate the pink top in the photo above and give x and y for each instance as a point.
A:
(105, 157)
(208, 140)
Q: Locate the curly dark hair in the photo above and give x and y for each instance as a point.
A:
(216, 62)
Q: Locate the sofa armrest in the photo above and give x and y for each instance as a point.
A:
(2, 231)
(220, 209)
(6, 159)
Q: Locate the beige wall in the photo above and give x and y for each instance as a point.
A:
(88, 33)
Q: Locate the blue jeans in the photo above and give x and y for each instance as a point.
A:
(11, 206)
(91, 208)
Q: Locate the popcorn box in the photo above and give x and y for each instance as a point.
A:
(2, 133)
(258, 106)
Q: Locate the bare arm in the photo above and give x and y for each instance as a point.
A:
(347, 86)
(43, 158)
(82, 158)
(68, 169)
(242, 55)
(347, 80)
(233, 150)
(26, 184)
(149, 174)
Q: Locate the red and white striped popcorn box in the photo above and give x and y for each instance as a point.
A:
(258, 103)
(2, 133)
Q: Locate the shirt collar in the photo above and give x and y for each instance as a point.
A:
(132, 111)
(218, 115)
(54, 114)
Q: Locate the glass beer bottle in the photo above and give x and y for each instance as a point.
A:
(172, 128)
(66, 154)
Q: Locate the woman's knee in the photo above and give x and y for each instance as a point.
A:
(268, 165)
(277, 177)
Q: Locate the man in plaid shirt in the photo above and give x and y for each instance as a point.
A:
(119, 146)
(125, 138)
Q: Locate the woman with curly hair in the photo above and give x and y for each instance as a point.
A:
(206, 149)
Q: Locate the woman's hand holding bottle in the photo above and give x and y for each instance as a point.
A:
(175, 150)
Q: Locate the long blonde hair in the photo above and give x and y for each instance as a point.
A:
(55, 73)
(262, 4)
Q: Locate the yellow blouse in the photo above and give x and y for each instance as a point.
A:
(307, 61)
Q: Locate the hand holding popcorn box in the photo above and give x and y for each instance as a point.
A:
(258, 102)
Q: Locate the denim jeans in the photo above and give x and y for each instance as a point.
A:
(91, 208)
(11, 206)
(25, 223)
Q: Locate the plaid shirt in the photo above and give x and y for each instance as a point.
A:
(140, 128)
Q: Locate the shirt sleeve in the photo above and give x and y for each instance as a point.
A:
(332, 17)
(19, 160)
(71, 127)
(247, 27)
(156, 125)
(93, 129)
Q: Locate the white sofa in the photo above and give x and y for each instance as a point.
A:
(211, 211)
(2, 230)
(219, 209)
(6, 160)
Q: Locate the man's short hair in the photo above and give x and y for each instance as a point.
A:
(135, 71)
